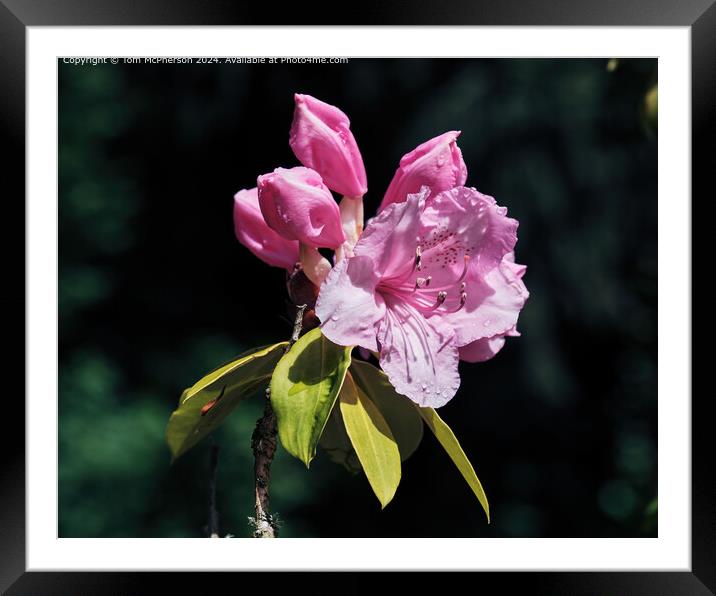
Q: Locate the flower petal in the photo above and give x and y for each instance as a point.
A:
(482, 349)
(419, 355)
(390, 238)
(253, 232)
(493, 304)
(463, 221)
(321, 139)
(297, 205)
(485, 348)
(517, 270)
(348, 304)
(437, 164)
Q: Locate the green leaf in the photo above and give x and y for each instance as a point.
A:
(399, 411)
(304, 387)
(372, 440)
(451, 445)
(336, 443)
(217, 394)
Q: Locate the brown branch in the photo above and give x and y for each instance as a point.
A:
(297, 326)
(263, 445)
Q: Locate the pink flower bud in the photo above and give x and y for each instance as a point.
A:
(321, 139)
(251, 230)
(297, 205)
(437, 163)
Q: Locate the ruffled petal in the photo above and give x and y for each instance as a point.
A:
(348, 305)
(518, 270)
(460, 222)
(419, 355)
(493, 304)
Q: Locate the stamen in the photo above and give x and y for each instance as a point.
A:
(421, 282)
(463, 299)
(461, 280)
(440, 300)
(463, 275)
(403, 277)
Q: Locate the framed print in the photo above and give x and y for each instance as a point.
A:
(451, 248)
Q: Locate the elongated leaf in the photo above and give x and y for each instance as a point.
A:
(372, 440)
(398, 411)
(447, 439)
(336, 443)
(205, 405)
(304, 387)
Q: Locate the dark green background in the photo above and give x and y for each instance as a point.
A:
(155, 291)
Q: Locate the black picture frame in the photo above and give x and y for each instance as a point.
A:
(17, 15)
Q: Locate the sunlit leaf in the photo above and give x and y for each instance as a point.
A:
(372, 440)
(304, 387)
(205, 405)
(399, 412)
(451, 445)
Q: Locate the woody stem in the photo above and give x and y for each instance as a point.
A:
(263, 445)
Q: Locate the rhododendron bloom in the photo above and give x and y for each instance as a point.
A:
(297, 205)
(437, 164)
(321, 139)
(430, 275)
(253, 232)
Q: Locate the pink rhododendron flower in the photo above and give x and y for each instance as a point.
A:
(321, 139)
(297, 205)
(437, 164)
(430, 275)
(251, 230)
(432, 279)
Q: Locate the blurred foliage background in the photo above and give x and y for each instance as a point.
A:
(154, 291)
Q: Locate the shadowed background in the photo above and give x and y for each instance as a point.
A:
(155, 291)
